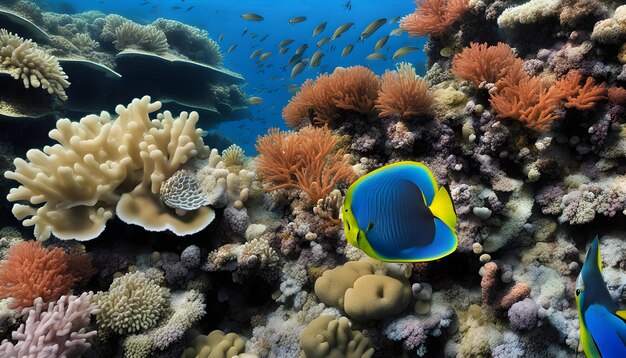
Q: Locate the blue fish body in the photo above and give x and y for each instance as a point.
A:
(398, 213)
(602, 325)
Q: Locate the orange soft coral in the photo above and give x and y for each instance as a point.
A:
(32, 271)
(433, 17)
(307, 160)
(403, 93)
(320, 102)
(533, 102)
(481, 63)
(528, 100)
(581, 97)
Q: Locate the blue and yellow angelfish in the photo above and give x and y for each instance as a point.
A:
(602, 324)
(398, 213)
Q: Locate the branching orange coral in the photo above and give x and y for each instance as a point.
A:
(433, 17)
(534, 103)
(585, 97)
(32, 271)
(308, 160)
(481, 63)
(403, 93)
(528, 100)
(320, 102)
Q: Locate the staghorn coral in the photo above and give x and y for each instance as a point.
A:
(403, 94)
(55, 329)
(307, 160)
(130, 35)
(84, 180)
(30, 271)
(433, 17)
(132, 304)
(321, 101)
(481, 63)
(25, 61)
(327, 336)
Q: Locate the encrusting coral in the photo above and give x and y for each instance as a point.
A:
(84, 180)
(25, 61)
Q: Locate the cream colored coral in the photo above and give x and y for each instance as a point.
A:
(22, 59)
(133, 303)
(329, 337)
(331, 287)
(138, 37)
(233, 156)
(84, 42)
(374, 297)
(75, 186)
(529, 12)
(611, 30)
(216, 345)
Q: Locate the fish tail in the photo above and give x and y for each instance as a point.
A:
(443, 209)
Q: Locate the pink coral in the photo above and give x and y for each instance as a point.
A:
(56, 329)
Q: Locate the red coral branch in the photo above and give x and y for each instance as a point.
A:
(481, 63)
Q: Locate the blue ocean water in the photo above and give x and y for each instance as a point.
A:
(270, 79)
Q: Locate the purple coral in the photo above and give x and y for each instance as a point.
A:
(523, 315)
(56, 329)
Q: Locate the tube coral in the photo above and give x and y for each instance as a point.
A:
(433, 17)
(403, 93)
(307, 160)
(320, 102)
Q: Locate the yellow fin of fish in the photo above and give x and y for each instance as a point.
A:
(443, 209)
(621, 314)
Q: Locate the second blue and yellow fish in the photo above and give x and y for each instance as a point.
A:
(602, 323)
(399, 213)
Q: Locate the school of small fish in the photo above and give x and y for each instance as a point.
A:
(298, 62)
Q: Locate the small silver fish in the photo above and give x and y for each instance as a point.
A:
(297, 69)
(346, 50)
(264, 56)
(403, 51)
(301, 49)
(232, 48)
(341, 29)
(252, 17)
(323, 41)
(295, 58)
(284, 43)
(397, 32)
(221, 37)
(283, 50)
(375, 56)
(319, 28)
(316, 58)
(255, 100)
(297, 20)
(380, 43)
(371, 28)
(256, 53)
(394, 19)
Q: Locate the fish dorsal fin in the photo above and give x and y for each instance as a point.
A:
(443, 209)
(599, 259)
(621, 314)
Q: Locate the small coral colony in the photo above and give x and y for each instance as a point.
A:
(479, 210)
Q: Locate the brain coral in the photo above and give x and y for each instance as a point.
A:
(329, 337)
(362, 294)
(74, 187)
(22, 59)
(132, 304)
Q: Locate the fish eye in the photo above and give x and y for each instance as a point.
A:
(578, 292)
(346, 210)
